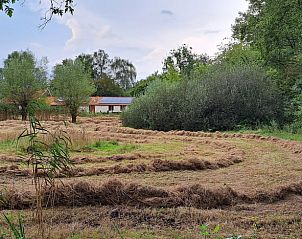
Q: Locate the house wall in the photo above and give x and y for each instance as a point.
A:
(84, 109)
(105, 109)
(117, 109)
(101, 109)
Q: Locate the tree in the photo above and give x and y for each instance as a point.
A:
(23, 79)
(234, 54)
(58, 8)
(123, 72)
(102, 68)
(140, 88)
(274, 27)
(107, 87)
(87, 61)
(101, 64)
(183, 60)
(221, 99)
(73, 84)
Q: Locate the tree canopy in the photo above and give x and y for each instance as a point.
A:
(73, 84)
(120, 72)
(183, 60)
(274, 27)
(23, 79)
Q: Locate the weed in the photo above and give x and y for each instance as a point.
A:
(206, 232)
(209, 233)
(46, 160)
(15, 230)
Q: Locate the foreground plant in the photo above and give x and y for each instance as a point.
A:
(16, 230)
(207, 233)
(46, 159)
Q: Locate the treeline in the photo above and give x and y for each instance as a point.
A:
(255, 79)
(24, 82)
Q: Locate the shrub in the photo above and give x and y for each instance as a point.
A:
(8, 111)
(157, 109)
(219, 100)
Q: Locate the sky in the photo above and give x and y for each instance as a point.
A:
(141, 31)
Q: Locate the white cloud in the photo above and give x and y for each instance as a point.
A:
(136, 31)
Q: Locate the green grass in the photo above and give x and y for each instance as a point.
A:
(7, 146)
(112, 147)
(274, 133)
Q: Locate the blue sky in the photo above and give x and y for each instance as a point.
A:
(142, 31)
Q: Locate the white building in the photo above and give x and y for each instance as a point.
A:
(109, 104)
(98, 104)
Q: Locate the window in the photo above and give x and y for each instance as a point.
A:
(110, 107)
(123, 107)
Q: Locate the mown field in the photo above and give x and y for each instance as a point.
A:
(129, 183)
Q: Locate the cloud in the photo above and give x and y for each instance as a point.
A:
(167, 12)
(208, 32)
(140, 36)
(85, 33)
(88, 30)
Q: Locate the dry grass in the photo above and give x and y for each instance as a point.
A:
(167, 185)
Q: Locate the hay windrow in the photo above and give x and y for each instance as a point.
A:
(157, 165)
(114, 192)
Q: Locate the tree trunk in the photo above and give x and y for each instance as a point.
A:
(24, 112)
(73, 118)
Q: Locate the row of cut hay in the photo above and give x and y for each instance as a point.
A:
(294, 147)
(14, 170)
(114, 192)
(157, 165)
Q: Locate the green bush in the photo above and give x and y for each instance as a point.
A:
(220, 100)
(8, 111)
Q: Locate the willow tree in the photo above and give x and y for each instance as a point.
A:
(22, 80)
(73, 84)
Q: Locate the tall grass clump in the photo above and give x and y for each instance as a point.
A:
(46, 161)
(218, 100)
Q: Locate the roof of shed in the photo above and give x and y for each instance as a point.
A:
(111, 100)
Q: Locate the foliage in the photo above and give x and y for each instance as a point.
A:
(23, 80)
(58, 8)
(8, 111)
(206, 232)
(46, 160)
(274, 28)
(234, 54)
(140, 88)
(123, 72)
(103, 69)
(107, 87)
(184, 61)
(73, 84)
(158, 109)
(16, 229)
(219, 100)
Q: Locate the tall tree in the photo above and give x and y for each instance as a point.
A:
(275, 28)
(107, 87)
(183, 60)
(123, 72)
(235, 54)
(101, 64)
(73, 84)
(104, 70)
(23, 79)
(87, 61)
